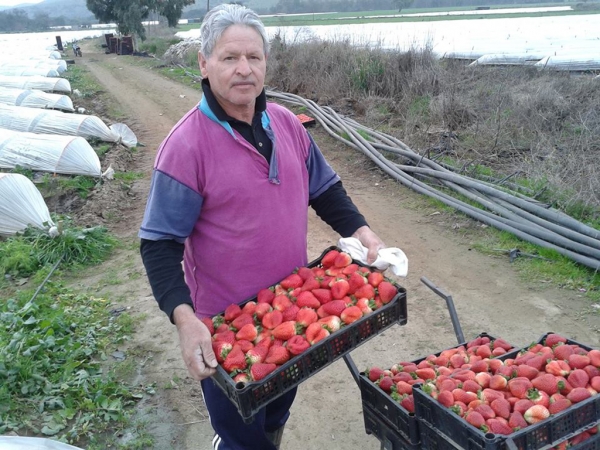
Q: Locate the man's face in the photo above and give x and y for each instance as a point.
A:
(236, 69)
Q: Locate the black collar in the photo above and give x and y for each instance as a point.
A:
(260, 106)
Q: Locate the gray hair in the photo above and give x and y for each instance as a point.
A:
(221, 17)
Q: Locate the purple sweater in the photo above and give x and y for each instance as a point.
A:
(243, 221)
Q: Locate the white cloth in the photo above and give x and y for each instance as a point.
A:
(391, 257)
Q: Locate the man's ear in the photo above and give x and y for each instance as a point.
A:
(202, 64)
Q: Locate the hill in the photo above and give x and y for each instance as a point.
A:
(76, 10)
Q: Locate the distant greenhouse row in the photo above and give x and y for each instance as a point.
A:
(41, 130)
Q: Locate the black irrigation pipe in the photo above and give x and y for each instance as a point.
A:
(506, 210)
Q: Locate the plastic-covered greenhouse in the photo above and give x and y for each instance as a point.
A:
(33, 98)
(21, 205)
(71, 155)
(28, 71)
(46, 84)
(47, 121)
(59, 64)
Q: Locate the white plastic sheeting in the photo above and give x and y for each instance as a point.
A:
(71, 155)
(28, 71)
(32, 120)
(59, 64)
(33, 98)
(570, 63)
(505, 60)
(30, 443)
(21, 205)
(46, 84)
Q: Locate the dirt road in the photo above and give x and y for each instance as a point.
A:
(489, 294)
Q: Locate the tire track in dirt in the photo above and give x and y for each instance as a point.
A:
(488, 293)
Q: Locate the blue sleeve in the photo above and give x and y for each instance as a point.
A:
(320, 174)
(172, 209)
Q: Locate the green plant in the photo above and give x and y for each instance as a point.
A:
(101, 150)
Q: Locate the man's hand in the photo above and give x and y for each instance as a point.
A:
(369, 239)
(195, 343)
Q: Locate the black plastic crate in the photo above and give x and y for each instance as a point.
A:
(544, 434)
(250, 398)
(432, 439)
(390, 411)
(389, 438)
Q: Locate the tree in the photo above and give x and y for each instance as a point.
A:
(129, 14)
(402, 4)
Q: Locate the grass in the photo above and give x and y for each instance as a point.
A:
(81, 80)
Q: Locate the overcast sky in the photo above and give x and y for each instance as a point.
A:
(17, 2)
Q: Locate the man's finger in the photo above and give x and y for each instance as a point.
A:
(208, 354)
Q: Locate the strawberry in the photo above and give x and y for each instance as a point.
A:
(374, 373)
(329, 259)
(552, 339)
(242, 377)
(578, 395)
(387, 291)
(523, 405)
(351, 314)
(286, 330)
(241, 320)
(334, 308)
(578, 378)
(519, 387)
(222, 328)
(501, 343)
(339, 288)
(559, 405)
(498, 351)
(350, 269)
(594, 356)
(335, 272)
(474, 418)
(265, 296)
(232, 311)
(374, 278)
(261, 310)
(249, 308)
(310, 284)
(486, 411)
(558, 368)
(484, 351)
(592, 371)
(408, 403)
(318, 272)
(292, 281)
(563, 352)
(244, 345)
(277, 355)
(305, 273)
(580, 438)
(306, 316)
(479, 366)
(386, 384)
(578, 361)
(445, 397)
(365, 305)
(221, 350)
(483, 379)
(342, 260)
(315, 333)
(501, 407)
(256, 354)
(290, 313)
(536, 414)
(538, 362)
(426, 374)
(461, 395)
(281, 302)
(330, 323)
(259, 371)
(209, 324)
(323, 295)
(595, 383)
(248, 332)
(226, 336)
(272, 319)
(489, 395)
(527, 371)
(547, 383)
(307, 299)
(235, 360)
(516, 421)
(355, 282)
(297, 344)
(264, 338)
(498, 427)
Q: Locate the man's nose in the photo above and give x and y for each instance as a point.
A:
(243, 66)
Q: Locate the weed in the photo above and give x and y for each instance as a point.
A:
(102, 150)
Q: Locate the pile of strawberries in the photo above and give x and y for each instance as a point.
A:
(287, 319)
(500, 396)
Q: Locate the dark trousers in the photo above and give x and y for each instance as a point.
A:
(231, 431)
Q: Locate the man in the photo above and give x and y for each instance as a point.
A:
(229, 195)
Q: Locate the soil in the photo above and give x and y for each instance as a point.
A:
(488, 291)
